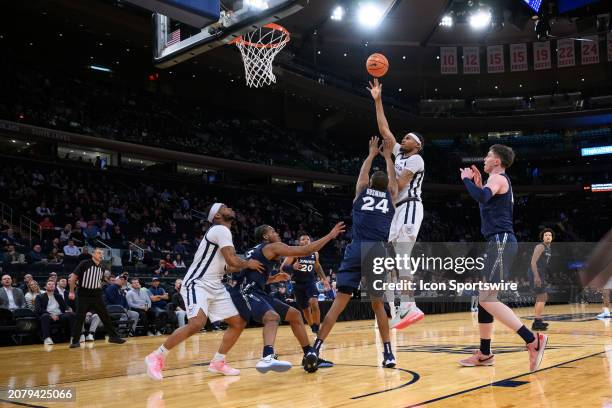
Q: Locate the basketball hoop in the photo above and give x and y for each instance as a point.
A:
(258, 49)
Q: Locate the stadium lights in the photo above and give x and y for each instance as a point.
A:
(369, 15)
(99, 68)
(480, 19)
(446, 21)
(338, 13)
(257, 4)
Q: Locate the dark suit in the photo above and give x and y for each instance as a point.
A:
(65, 318)
(18, 297)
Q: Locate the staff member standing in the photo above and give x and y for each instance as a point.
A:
(90, 276)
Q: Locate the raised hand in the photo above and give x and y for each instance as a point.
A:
(374, 148)
(387, 148)
(477, 176)
(338, 229)
(466, 173)
(375, 89)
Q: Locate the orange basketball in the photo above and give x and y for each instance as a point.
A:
(377, 65)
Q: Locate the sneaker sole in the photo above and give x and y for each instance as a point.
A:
(276, 368)
(406, 321)
(540, 355)
(390, 365)
(310, 364)
(151, 376)
(212, 370)
(325, 365)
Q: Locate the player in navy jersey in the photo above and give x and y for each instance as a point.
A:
(373, 211)
(540, 268)
(303, 271)
(251, 297)
(496, 204)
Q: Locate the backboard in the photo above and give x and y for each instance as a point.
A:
(176, 41)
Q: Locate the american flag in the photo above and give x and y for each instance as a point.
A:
(175, 37)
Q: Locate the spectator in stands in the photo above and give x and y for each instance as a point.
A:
(53, 277)
(36, 256)
(71, 250)
(92, 321)
(25, 285)
(43, 211)
(30, 296)
(180, 248)
(139, 301)
(105, 234)
(117, 237)
(92, 233)
(61, 288)
(179, 302)
(66, 234)
(51, 307)
(84, 254)
(11, 298)
(10, 238)
(55, 257)
(281, 294)
(163, 268)
(179, 264)
(115, 295)
(46, 227)
(159, 299)
(13, 257)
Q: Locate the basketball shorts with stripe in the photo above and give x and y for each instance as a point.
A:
(213, 300)
(406, 222)
(499, 257)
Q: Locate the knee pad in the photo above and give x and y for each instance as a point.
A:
(483, 315)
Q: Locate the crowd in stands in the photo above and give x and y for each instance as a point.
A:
(120, 110)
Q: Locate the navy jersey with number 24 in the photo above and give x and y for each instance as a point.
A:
(373, 212)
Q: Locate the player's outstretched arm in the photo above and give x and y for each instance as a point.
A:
(387, 151)
(364, 174)
(287, 265)
(235, 263)
(277, 249)
(383, 126)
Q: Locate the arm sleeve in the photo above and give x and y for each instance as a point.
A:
(482, 195)
(414, 164)
(220, 235)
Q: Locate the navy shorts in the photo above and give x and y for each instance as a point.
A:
(253, 303)
(303, 291)
(500, 254)
(356, 265)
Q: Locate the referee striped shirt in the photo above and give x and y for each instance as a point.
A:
(90, 276)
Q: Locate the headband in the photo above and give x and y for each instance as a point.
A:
(214, 210)
(415, 138)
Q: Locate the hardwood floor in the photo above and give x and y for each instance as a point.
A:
(576, 371)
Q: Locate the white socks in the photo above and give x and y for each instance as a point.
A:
(218, 357)
(163, 351)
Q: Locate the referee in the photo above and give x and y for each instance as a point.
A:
(90, 275)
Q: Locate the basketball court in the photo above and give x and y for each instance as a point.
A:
(576, 371)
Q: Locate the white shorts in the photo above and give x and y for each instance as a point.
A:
(608, 285)
(214, 300)
(406, 222)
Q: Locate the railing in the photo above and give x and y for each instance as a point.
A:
(6, 213)
(140, 250)
(198, 215)
(29, 228)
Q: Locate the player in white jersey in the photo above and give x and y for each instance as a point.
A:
(410, 170)
(205, 295)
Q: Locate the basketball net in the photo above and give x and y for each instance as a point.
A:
(258, 49)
